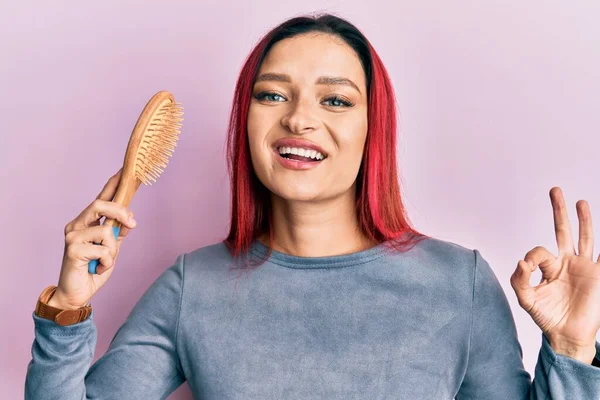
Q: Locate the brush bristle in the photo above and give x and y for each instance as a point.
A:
(158, 142)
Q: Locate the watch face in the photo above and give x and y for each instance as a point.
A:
(70, 317)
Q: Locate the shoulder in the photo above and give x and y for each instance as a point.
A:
(444, 252)
(444, 263)
(215, 255)
(206, 263)
(209, 253)
(454, 261)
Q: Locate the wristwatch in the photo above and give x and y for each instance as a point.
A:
(61, 317)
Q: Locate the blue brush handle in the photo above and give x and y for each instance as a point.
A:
(92, 265)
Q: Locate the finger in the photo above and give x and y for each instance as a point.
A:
(102, 208)
(540, 256)
(124, 231)
(99, 235)
(562, 226)
(107, 194)
(83, 253)
(101, 269)
(519, 281)
(586, 232)
(110, 188)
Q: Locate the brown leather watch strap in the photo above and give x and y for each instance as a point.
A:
(61, 317)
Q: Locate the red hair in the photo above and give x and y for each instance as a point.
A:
(381, 213)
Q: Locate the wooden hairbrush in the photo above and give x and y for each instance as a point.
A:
(152, 142)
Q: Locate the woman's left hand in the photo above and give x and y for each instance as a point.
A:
(566, 303)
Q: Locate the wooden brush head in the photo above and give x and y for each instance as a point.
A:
(152, 142)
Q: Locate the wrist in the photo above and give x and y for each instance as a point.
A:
(580, 352)
(57, 301)
(59, 311)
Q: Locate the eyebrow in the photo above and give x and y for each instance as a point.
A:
(323, 80)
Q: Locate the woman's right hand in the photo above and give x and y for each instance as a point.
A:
(76, 285)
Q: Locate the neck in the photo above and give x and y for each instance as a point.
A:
(317, 229)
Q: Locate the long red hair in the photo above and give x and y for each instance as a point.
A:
(381, 213)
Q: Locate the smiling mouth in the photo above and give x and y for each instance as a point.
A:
(300, 154)
(298, 158)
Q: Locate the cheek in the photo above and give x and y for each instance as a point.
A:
(257, 131)
(258, 127)
(262, 120)
(253, 124)
(351, 140)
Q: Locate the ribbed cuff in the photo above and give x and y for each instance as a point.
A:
(563, 362)
(48, 327)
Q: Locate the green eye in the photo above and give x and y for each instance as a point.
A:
(269, 96)
(336, 101)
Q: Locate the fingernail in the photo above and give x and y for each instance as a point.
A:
(132, 221)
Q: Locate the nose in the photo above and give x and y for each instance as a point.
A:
(300, 119)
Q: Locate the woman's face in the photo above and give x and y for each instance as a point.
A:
(307, 122)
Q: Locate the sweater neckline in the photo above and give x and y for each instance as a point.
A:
(338, 261)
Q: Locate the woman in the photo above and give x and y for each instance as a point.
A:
(342, 298)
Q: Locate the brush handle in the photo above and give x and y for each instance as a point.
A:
(127, 188)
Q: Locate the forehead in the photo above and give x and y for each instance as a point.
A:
(312, 55)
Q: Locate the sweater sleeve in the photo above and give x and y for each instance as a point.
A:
(140, 363)
(495, 368)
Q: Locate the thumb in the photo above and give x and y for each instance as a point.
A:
(124, 230)
(519, 281)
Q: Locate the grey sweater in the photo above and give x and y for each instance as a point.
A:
(429, 323)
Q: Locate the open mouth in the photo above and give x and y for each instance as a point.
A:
(300, 154)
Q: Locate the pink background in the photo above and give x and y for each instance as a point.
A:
(500, 101)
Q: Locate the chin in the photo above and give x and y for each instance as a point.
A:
(305, 193)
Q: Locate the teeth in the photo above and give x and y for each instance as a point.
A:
(315, 155)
